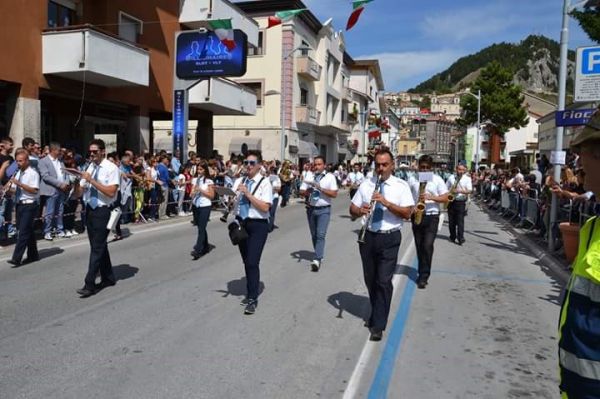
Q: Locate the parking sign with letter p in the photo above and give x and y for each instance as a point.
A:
(590, 63)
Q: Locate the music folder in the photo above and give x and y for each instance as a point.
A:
(224, 191)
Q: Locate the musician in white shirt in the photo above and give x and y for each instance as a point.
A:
(25, 184)
(435, 193)
(379, 252)
(354, 179)
(457, 208)
(253, 214)
(202, 194)
(276, 184)
(319, 191)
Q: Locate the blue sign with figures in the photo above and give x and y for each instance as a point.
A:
(179, 120)
(573, 117)
(590, 62)
(201, 54)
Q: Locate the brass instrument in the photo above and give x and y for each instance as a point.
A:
(420, 208)
(284, 174)
(452, 194)
(363, 230)
(232, 204)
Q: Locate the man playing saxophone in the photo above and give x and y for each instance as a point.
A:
(461, 186)
(429, 191)
(379, 251)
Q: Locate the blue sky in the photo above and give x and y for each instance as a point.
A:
(414, 39)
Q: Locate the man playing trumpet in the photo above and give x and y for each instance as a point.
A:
(460, 188)
(379, 251)
(429, 191)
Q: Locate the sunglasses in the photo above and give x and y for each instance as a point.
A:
(250, 162)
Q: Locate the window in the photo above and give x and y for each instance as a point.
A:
(129, 27)
(60, 15)
(306, 50)
(255, 87)
(259, 49)
(303, 96)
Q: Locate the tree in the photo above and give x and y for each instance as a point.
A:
(425, 102)
(501, 100)
(589, 19)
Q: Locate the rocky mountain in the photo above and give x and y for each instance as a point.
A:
(534, 62)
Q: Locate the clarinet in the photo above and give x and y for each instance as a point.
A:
(232, 204)
(363, 230)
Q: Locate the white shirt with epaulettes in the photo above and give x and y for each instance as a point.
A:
(464, 184)
(326, 181)
(108, 174)
(30, 177)
(264, 193)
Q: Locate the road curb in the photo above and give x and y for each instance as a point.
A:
(558, 267)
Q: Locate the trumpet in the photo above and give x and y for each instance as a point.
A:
(363, 230)
(420, 208)
(231, 205)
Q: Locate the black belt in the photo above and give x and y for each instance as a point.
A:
(96, 208)
(319, 207)
(256, 220)
(390, 231)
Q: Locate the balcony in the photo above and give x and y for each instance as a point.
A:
(308, 68)
(347, 94)
(195, 14)
(223, 97)
(101, 58)
(307, 114)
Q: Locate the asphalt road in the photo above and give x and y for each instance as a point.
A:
(173, 327)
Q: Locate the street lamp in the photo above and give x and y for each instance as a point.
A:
(478, 97)
(283, 94)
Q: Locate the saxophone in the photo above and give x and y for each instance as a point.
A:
(420, 208)
(452, 194)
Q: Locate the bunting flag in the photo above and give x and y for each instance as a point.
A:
(358, 6)
(283, 16)
(224, 31)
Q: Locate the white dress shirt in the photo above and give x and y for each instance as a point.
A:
(200, 200)
(30, 177)
(275, 183)
(395, 190)
(264, 193)
(465, 184)
(326, 181)
(355, 178)
(108, 175)
(58, 168)
(435, 188)
(307, 175)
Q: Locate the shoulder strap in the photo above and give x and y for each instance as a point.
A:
(258, 185)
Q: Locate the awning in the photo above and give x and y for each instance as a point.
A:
(240, 145)
(307, 149)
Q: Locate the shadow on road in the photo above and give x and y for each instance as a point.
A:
(356, 305)
(123, 272)
(302, 255)
(407, 271)
(345, 217)
(238, 288)
(49, 252)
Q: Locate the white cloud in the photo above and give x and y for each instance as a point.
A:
(470, 23)
(403, 70)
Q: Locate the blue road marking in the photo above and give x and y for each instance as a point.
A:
(383, 375)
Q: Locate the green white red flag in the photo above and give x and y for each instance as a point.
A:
(224, 31)
(358, 7)
(283, 16)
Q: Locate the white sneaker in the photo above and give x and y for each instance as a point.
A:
(74, 233)
(315, 265)
(68, 234)
(62, 234)
(48, 237)
(181, 214)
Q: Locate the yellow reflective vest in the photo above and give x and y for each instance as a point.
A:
(579, 330)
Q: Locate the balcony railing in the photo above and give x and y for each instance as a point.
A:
(86, 52)
(307, 114)
(308, 68)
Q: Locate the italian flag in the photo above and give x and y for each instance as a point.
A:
(358, 6)
(283, 16)
(224, 31)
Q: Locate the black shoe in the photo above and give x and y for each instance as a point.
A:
(251, 306)
(195, 255)
(14, 263)
(376, 335)
(244, 301)
(461, 242)
(452, 240)
(104, 284)
(421, 284)
(315, 265)
(367, 324)
(86, 292)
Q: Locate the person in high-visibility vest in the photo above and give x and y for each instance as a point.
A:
(579, 331)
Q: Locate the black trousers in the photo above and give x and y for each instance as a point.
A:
(379, 256)
(456, 219)
(96, 220)
(201, 216)
(425, 234)
(251, 251)
(26, 213)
